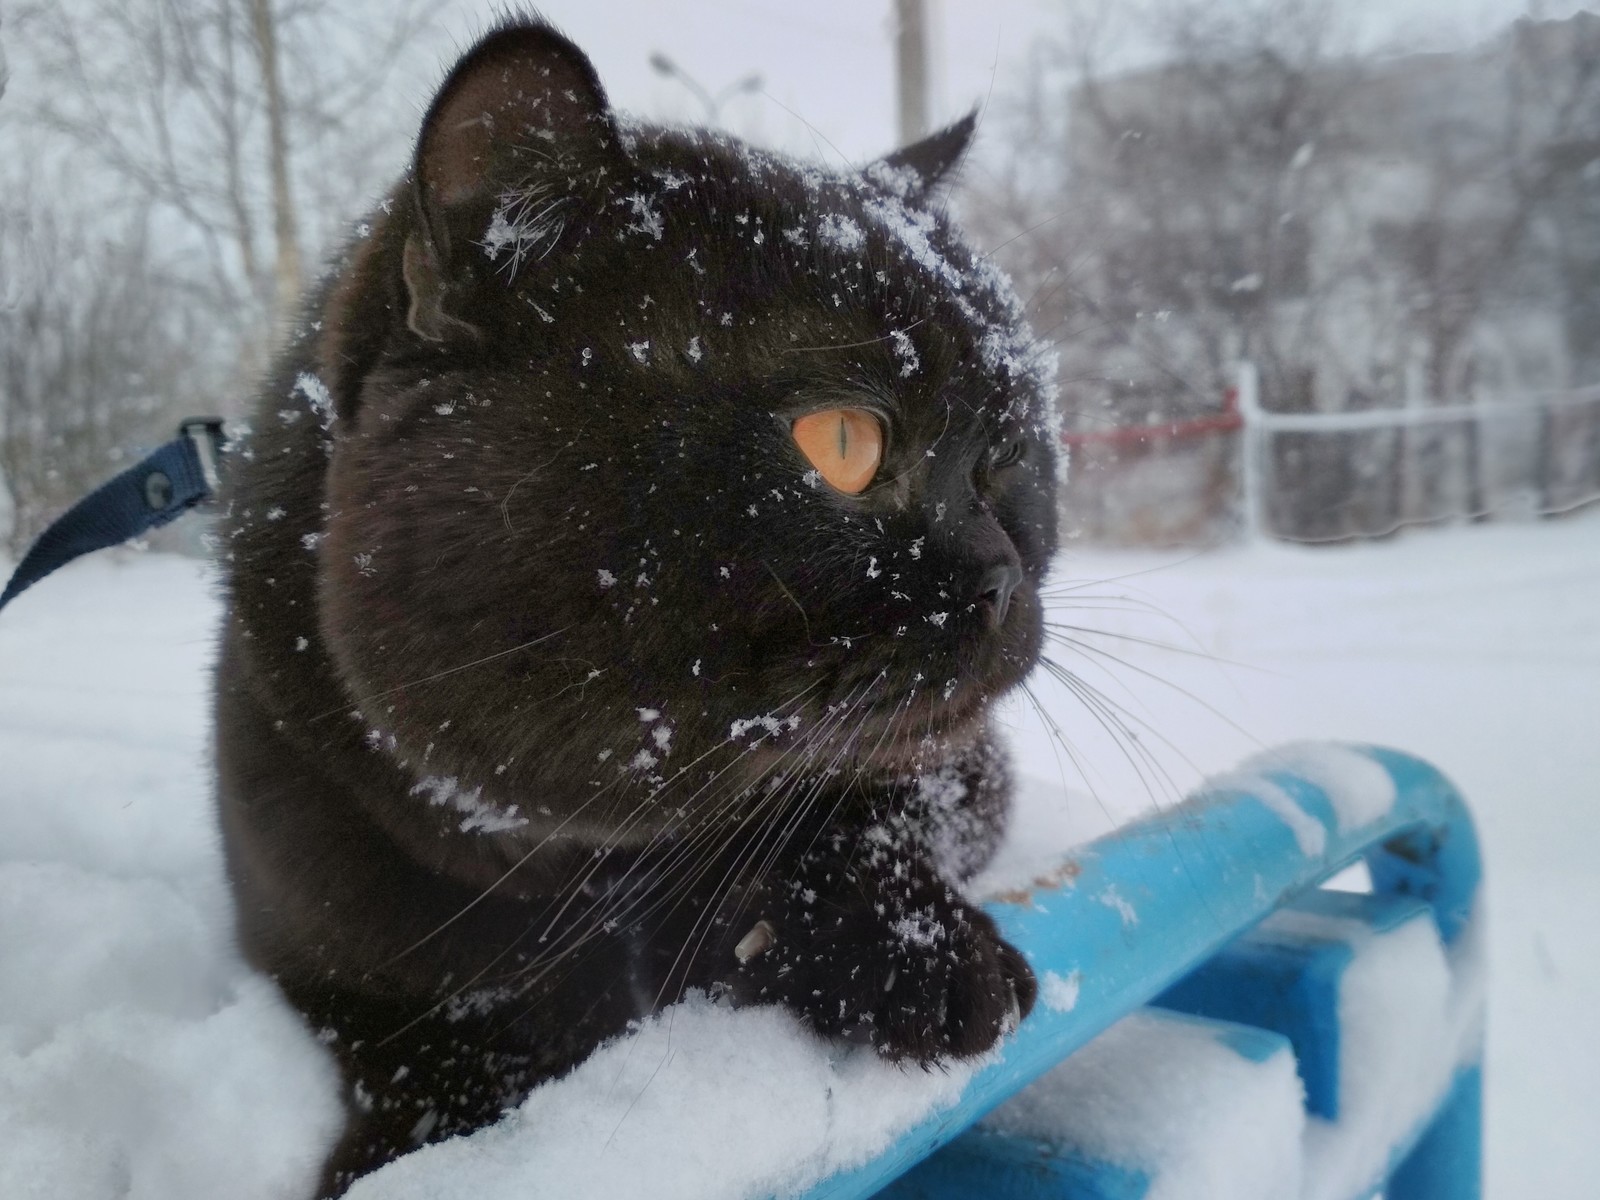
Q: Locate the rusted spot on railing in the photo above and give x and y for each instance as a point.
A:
(1062, 875)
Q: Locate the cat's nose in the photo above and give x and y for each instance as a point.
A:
(995, 588)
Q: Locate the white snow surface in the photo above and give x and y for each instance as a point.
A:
(1358, 788)
(1059, 993)
(1309, 833)
(140, 1058)
(1164, 1094)
(1409, 1016)
(1170, 1097)
(702, 1103)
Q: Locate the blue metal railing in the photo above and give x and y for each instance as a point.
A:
(1132, 913)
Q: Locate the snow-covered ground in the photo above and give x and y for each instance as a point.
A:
(138, 1058)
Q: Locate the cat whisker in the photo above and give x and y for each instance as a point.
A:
(845, 747)
(571, 892)
(799, 812)
(1117, 738)
(1056, 340)
(574, 887)
(1034, 228)
(621, 908)
(505, 502)
(1068, 277)
(800, 750)
(1065, 588)
(737, 869)
(437, 675)
(1097, 702)
(1058, 738)
(545, 841)
(850, 345)
(1115, 720)
(577, 883)
(1086, 648)
(815, 132)
(784, 588)
(495, 884)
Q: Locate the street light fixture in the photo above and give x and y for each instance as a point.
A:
(713, 104)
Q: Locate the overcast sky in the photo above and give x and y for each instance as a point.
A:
(830, 61)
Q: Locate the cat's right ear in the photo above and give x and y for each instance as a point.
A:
(934, 161)
(522, 113)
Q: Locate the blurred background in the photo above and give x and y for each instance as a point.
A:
(1324, 282)
(1315, 270)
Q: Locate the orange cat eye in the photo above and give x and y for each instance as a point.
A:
(845, 445)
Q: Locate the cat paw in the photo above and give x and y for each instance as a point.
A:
(898, 960)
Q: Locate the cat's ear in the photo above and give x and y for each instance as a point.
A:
(935, 158)
(522, 113)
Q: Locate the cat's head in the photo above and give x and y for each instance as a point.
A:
(654, 455)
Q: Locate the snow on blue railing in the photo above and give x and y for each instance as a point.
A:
(1131, 915)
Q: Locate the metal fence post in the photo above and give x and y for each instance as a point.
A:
(1252, 451)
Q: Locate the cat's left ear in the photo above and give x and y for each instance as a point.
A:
(513, 146)
(935, 158)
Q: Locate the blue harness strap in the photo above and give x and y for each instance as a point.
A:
(158, 489)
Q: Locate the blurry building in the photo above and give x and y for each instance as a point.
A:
(1387, 234)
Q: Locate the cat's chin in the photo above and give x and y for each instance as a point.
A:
(930, 724)
(924, 735)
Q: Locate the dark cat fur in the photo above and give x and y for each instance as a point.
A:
(550, 668)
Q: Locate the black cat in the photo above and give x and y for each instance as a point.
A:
(626, 558)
